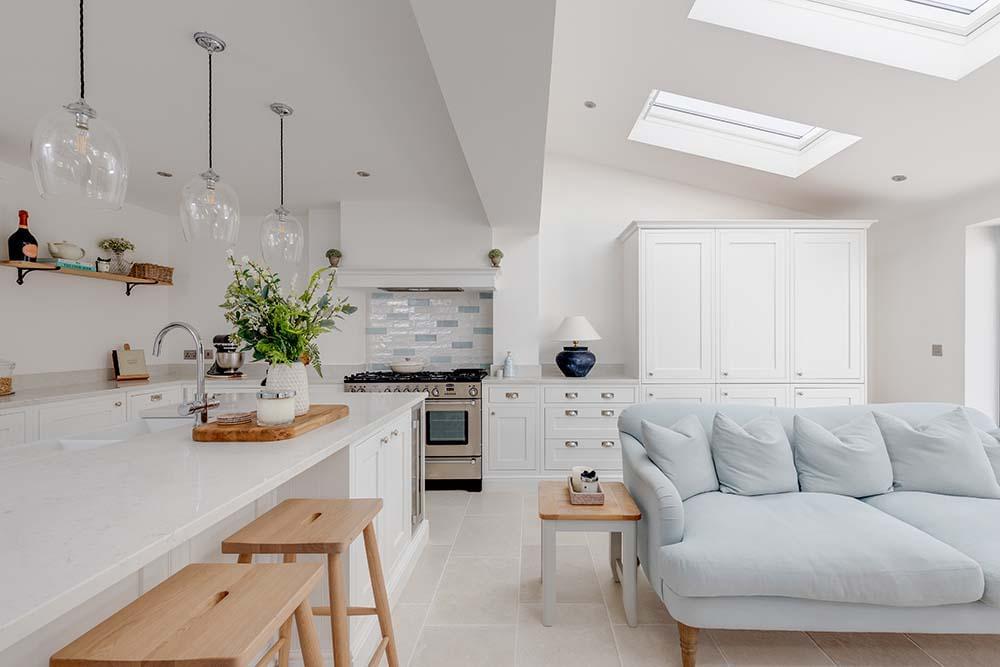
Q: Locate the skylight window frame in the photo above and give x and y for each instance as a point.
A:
(726, 139)
(945, 46)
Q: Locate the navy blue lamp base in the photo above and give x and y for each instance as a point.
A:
(575, 362)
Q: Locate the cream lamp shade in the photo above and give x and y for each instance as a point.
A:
(576, 328)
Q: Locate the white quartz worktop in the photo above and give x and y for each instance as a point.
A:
(551, 375)
(74, 523)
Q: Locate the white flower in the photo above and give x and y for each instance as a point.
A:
(244, 259)
(229, 252)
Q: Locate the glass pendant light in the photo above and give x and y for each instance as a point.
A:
(77, 156)
(210, 209)
(282, 239)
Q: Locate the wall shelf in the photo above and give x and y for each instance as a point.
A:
(24, 268)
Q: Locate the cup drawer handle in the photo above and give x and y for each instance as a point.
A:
(607, 443)
(155, 397)
(572, 413)
(607, 395)
(607, 413)
(512, 395)
(572, 443)
(571, 395)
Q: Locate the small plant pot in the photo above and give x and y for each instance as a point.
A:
(120, 263)
(334, 261)
(495, 261)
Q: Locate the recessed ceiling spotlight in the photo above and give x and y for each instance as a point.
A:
(899, 178)
(165, 174)
(362, 173)
(590, 104)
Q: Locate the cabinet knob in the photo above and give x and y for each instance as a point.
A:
(726, 373)
(572, 443)
(512, 395)
(607, 443)
(651, 394)
(395, 432)
(609, 413)
(385, 440)
(650, 374)
(492, 413)
(156, 397)
(799, 373)
(571, 394)
(608, 395)
(800, 393)
(572, 413)
(725, 393)
(118, 404)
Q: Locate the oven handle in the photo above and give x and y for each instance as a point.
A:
(448, 401)
(438, 459)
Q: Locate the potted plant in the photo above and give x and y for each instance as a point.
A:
(334, 255)
(495, 256)
(118, 247)
(282, 328)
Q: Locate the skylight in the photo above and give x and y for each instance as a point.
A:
(946, 38)
(734, 135)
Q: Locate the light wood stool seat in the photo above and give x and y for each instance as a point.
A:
(307, 526)
(206, 615)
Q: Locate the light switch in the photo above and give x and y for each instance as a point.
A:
(937, 350)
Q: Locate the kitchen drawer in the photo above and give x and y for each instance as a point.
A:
(604, 454)
(513, 394)
(140, 402)
(13, 428)
(581, 421)
(590, 394)
(73, 417)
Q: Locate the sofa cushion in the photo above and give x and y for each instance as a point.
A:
(682, 452)
(753, 459)
(943, 455)
(991, 443)
(849, 460)
(815, 546)
(971, 525)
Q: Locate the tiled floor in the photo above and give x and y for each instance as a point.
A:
(475, 599)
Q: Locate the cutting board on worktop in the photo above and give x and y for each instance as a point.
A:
(318, 415)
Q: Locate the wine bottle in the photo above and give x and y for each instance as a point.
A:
(22, 246)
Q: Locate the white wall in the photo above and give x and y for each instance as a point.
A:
(62, 323)
(584, 208)
(982, 318)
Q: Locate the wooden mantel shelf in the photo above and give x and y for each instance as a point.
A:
(24, 268)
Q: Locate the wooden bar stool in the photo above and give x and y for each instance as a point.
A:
(304, 526)
(206, 615)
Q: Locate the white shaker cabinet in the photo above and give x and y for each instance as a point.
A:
(676, 305)
(828, 305)
(679, 393)
(828, 395)
(512, 441)
(768, 395)
(753, 305)
(81, 416)
(13, 427)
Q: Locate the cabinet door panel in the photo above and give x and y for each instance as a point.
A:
(677, 304)
(753, 305)
(830, 396)
(365, 483)
(395, 478)
(768, 395)
(828, 305)
(75, 417)
(680, 393)
(513, 437)
(13, 428)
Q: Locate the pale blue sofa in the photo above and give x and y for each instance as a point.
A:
(899, 562)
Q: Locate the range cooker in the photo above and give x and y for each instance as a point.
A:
(452, 429)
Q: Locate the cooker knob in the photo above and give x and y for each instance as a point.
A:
(387, 390)
(473, 391)
(435, 392)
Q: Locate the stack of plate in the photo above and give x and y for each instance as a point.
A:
(235, 418)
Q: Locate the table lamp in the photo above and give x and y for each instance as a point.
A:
(575, 361)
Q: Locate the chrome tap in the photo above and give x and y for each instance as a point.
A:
(201, 403)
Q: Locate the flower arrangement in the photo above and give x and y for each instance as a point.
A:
(281, 328)
(116, 245)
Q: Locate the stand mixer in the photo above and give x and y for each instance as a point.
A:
(228, 359)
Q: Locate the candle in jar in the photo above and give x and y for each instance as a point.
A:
(275, 408)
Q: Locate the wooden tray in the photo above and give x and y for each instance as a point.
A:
(585, 498)
(318, 415)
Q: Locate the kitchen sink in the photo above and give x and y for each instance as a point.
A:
(105, 437)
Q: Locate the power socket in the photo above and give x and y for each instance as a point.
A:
(192, 355)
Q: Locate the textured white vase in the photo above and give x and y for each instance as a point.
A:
(291, 377)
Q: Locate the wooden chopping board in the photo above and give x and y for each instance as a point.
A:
(318, 415)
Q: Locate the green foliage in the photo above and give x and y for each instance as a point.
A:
(281, 328)
(333, 252)
(496, 253)
(116, 245)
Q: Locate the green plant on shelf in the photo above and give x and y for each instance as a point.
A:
(116, 245)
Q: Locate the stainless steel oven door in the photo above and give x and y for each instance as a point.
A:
(453, 427)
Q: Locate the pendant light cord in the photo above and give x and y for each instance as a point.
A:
(281, 154)
(82, 87)
(209, 110)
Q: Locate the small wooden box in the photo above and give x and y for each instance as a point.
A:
(585, 498)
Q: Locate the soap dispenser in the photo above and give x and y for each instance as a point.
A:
(508, 366)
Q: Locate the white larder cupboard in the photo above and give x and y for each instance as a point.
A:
(762, 312)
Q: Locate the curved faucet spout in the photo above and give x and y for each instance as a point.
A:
(200, 404)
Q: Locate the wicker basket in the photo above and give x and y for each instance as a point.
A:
(161, 274)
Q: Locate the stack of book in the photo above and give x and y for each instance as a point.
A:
(69, 263)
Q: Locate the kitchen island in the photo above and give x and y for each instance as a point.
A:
(86, 531)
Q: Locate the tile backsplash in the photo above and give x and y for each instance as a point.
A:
(448, 329)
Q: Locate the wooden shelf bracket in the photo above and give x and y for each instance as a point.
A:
(22, 272)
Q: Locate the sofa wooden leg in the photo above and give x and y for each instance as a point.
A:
(689, 645)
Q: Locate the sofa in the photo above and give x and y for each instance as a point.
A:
(903, 560)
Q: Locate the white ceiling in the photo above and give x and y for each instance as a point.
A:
(357, 74)
(940, 133)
